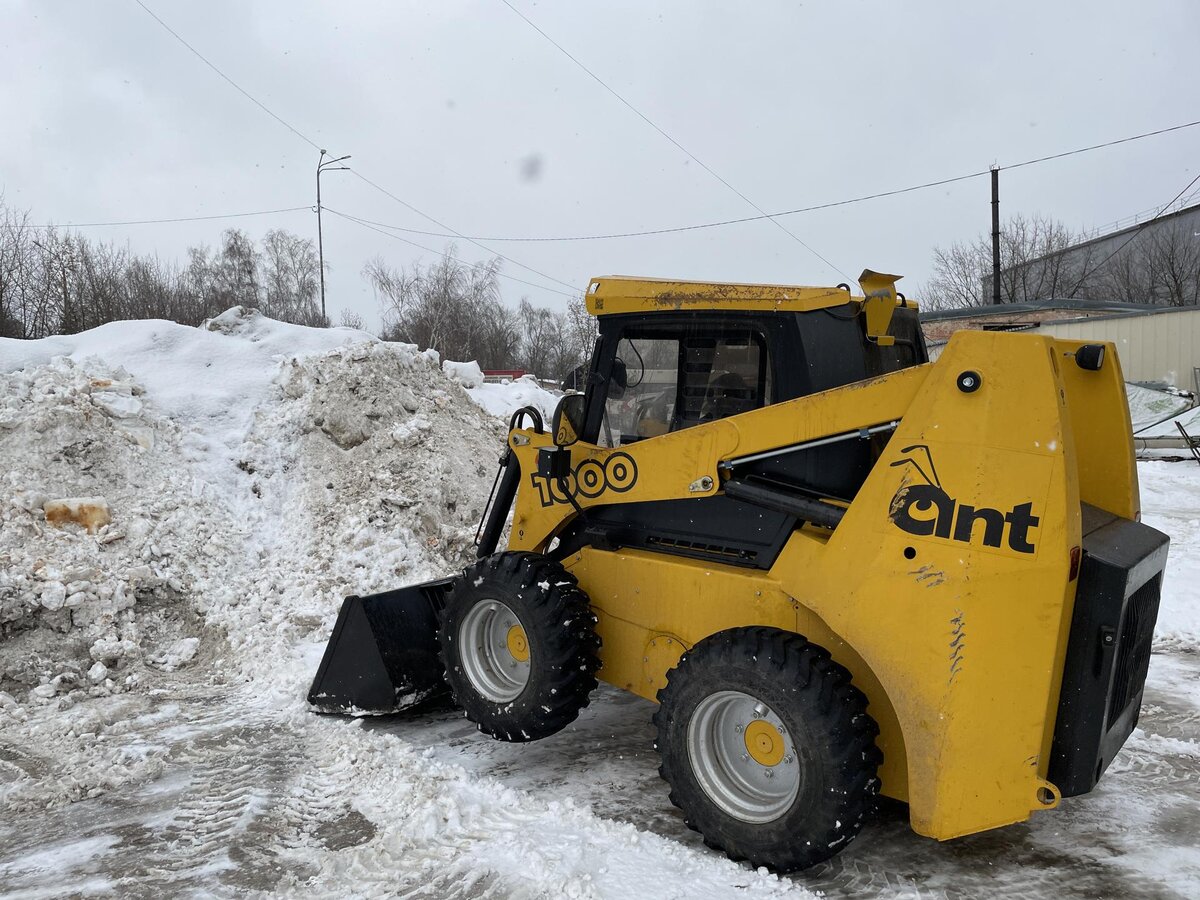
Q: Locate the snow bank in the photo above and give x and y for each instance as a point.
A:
(1171, 503)
(468, 374)
(252, 473)
(503, 400)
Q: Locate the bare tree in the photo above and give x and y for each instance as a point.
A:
(290, 278)
(15, 257)
(54, 281)
(446, 306)
(351, 319)
(542, 336)
(1172, 258)
(1033, 266)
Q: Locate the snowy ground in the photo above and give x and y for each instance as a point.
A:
(248, 490)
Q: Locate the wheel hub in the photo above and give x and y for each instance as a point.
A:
(764, 743)
(518, 644)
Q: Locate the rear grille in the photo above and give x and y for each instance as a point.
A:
(1133, 657)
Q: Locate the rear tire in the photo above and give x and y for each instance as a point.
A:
(519, 644)
(767, 747)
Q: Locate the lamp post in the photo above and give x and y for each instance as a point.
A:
(322, 165)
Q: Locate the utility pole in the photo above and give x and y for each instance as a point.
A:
(322, 165)
(995, 234)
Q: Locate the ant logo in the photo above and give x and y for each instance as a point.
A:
(591, 478)
(926, 509)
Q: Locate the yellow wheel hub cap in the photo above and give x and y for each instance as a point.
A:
(764, 743)
(518, 644)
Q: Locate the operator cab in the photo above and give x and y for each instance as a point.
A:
(673, 355)
(677, 355)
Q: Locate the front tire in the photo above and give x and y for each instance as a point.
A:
(767, 747)
(519, 644)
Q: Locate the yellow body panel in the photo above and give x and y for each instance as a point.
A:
(945, 589)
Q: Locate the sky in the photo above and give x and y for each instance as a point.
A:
(463, 111)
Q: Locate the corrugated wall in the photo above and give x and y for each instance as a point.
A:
(1162, 347)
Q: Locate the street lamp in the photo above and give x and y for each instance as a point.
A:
(322, 165)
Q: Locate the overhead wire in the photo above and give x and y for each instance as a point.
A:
(1136, 233)
(476, 241)
(445, 255)
(316, 146)
(496, 239)
(1124, 140)
(763, 213)
(1131, 220)
(697, 227)
(241, 215)
(452, 233)
(237, 87)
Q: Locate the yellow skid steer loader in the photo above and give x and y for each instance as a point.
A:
(839, 569)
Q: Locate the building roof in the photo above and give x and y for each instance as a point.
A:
(1016, 309)
(1155, 221)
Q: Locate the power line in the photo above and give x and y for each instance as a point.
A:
(1132, 219)
(688, 153)
(1134, 235)
(261, 212)
(237, 87)
(496, 239)
(315, 146)
(456, 234)
(1124, 140)
(366, 224)
(718, 224)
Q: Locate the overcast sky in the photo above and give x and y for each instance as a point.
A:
(467, 113)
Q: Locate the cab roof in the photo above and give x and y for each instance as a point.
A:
(624, 294)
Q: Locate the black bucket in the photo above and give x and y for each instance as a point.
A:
(383, 654)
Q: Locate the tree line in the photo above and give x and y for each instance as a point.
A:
(1041, 259)
(456, 308)
(55, 281)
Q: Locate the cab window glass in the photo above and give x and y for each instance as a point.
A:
(643, 391)
(665, 383)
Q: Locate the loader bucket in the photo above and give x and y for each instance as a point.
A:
(383, 654)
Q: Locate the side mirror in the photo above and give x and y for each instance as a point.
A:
(568, 419)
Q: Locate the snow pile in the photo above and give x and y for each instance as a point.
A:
(503, 400)
(369, 472)
(1171, 503)
(468, 374)
(80, 607)
(249, 489)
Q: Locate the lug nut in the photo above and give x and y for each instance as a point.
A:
(737, 728)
